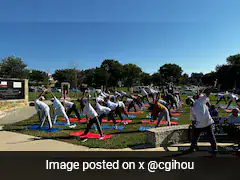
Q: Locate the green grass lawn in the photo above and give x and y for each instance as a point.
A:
(128, 137)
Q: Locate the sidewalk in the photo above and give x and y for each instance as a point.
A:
(19, 115)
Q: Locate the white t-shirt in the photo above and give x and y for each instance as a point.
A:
(103, 95)
(111, 105)
(67, 104)
(100, 99)
(106, 94)
(123, 93)
(121, 104)
(102, 109)
(89, 111)
(117, 93)
(39, 105)
(144, 93)
(233, 119)
(129, 100)
(233, 97)
(219, 95)
(57, 104)
(200, 112)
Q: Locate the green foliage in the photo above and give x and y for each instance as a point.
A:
(171, 72)
(234, 60)
(65, 75)
(13, 67)
(131, 73)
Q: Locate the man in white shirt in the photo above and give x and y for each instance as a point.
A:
(123, 94)
(44, 108)
(70, 107)
(117, 108)
(90, 113)
(105, 112)
(220, 97)
(58, 108)
(202, 121)
(144, 95)
(232, 97)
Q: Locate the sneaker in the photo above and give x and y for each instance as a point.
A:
(101, 138)
(84, 140)
(72, 126)
(115, 127)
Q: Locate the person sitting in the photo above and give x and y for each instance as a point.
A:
(234, 118)
(213, 111)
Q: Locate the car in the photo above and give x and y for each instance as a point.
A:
(54, 89)
(31, 89)
(188, 91)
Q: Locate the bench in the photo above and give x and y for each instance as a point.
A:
(164, 136)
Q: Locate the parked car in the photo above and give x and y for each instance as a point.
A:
(31, 89)
(74, 90)
(188, 91)
(54, 89)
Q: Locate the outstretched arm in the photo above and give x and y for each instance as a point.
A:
(44, 90)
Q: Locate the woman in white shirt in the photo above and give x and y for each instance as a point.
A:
(90, 113)
(59, 109)
(221, 97)
(104, 111)
(44, 108)
(70, 107)
(232, 97)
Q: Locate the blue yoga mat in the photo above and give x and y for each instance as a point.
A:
(131, 116)
(110, 127)
(62, 124)
(35, 127)
(144, 128)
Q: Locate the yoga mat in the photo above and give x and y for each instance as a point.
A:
(83, 120)
(90, 135)
(228, 110)
(110, 127)
(131, 116)
(181, 102)
(155, 122)
(175, 114)
(62, 124)
(173, 118)
(118, 121)
(143, 128)
(138, 112)
(45, 129)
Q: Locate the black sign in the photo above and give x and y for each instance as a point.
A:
(12, 89)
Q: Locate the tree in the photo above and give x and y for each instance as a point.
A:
(145, 78)
(157, 79)
(171, 72)
(114, 70)
(65, 75)
(13, 67)
(234, 60)
(38, 76)
(195, 78)
(100, 77)
(209, 78)
(131, 74)
(184, 79)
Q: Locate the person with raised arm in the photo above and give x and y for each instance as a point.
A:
(70, 107)
(92, 115)
(44, 108)
(58, 108)
(104, 111)
(202, 120)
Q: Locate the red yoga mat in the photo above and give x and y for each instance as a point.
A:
(163, 122)
(181, 102)
(175, 114)
(90, 135)
(83, 120)
(228, 110)
(138, 112)
(118, 121)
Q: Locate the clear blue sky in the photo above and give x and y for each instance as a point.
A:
(55, 34)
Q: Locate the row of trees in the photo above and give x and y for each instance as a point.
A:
(112, 73)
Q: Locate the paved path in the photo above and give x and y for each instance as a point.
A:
(20, 115)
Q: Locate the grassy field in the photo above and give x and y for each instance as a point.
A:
(128, 137)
